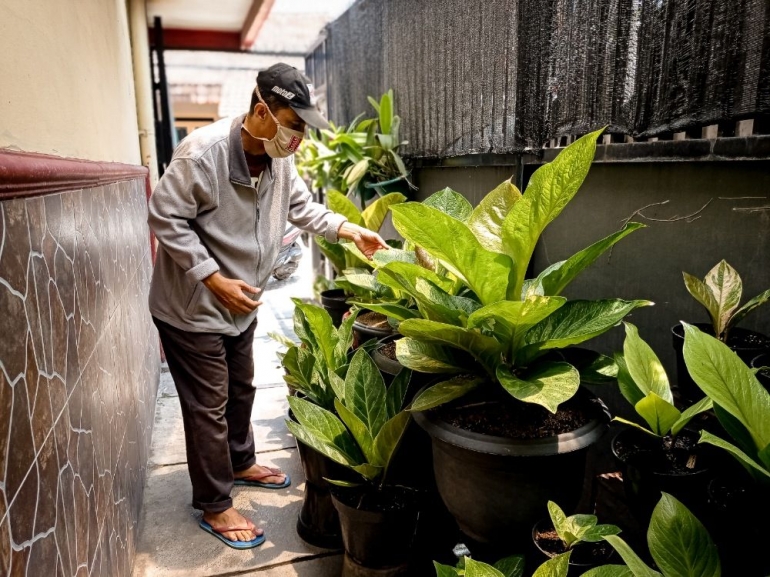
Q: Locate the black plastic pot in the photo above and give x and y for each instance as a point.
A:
(688, 390)
(582, 558)
(759, 361)
(377, 539)
(334, 301)
(318, 523)
(643, 484)
(497, 488)
(365, 333)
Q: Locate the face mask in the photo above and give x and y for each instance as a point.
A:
(285, 142)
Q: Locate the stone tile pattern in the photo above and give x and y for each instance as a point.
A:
(79, 364)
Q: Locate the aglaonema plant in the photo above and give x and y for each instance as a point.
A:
(678, 542)
(514, 567)
(364, 429)
(741, 403)
(485, 306)
(645, 385)
(720, 293)
(577, 529)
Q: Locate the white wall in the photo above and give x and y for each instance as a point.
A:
(66, 80)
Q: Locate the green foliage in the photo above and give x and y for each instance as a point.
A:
(720, 293)
(578, 528)
(644, 384)
(741, 403)
(476, 298)
(678, 542)
(368, 425)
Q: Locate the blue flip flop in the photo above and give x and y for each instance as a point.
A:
(217, 532)
(255, 480)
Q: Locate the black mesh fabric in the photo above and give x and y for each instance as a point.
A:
(498, 76)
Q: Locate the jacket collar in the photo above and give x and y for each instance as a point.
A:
(239, 170)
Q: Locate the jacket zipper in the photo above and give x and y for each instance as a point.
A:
(256, 225)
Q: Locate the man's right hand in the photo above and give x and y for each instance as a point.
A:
(230, 293)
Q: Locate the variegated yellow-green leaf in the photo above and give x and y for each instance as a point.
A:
(638, 567)
(365, 392)
(549, 384)
(444, 392)
(451, 203)
(341, 204)
(360, 433)
(374, 214)
(644, 366)
(726, 286)
(486, 220)
(426, 358)
(659, 413)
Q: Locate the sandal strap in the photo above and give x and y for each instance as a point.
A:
(229, 529)
(272, 472)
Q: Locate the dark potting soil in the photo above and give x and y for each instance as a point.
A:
(582, 553)
(373, 320)
(387, 499)
(389, 350)
(667, 456)
(512, 419)
(747, 340)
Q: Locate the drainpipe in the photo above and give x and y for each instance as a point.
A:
(140, 48)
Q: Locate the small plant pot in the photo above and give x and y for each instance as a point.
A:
(760, 361)
(745, 343)
(651, 465)
(378, 526)
(335, 303)
(584, 555)
(370, 325)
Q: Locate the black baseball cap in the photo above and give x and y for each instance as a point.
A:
(295, 89)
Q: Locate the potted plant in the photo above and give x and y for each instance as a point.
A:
(511, 425)
(678, 542)
(558, 566)
(742, 405)
(579, 534)
(720, 294)
(378, 519)
(664, 455)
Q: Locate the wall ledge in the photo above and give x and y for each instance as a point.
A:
(29, 174)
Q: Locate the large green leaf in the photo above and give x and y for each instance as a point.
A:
(679, 543)
(609, 571)
(512, 566)
(484, 349)
(383, 257)
(393, 310)
(634, 562)
(426, 358)
(628, 388)
(756, 469)
(741, 313)
(452, 242)
(319, 328)
(510, 320)
(368, 471)
(403, 276)
(359, 431)
(554, 279)
(444, 392)
(365, 392)
(705, 404)
(644, 366)
(659, 413)
(390, 436)
(594, 368)
(486, 220)
(304, 436)
(345, 338)
(386, 112)
(445, 570)
(334, 252)
(341, 204)
(374, 214)
(599, 532)
(326, 427)
(727, 288)
(549, 384)
(575, 322)
(396, 394)
(439, 305)
(451, 203)
(726, 379)
(702, 293)
(559, 520)
(551, 187)
(479, 569)
(556, 567)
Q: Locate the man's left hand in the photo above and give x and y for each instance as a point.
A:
(367, 241)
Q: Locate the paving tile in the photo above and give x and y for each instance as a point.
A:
(327, 566)
(172, 545)
(268, 420)
(168, 446)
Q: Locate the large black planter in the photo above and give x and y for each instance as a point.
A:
(335, 303)
(688, 390)
(364, 333)
(497, 488)
(643, 480)
(376, 542)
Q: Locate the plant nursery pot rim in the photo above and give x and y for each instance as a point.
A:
(580, 438)
(373, 515)
(545, 523)
(384, 182)
(358, 325)
(385, 363)
(334, 295)
(630, 431)
(678, 332)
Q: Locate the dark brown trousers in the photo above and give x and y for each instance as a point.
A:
(214, 376)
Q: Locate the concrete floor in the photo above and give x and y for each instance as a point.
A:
(170, 543)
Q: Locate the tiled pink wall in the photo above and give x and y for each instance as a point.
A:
(79, 366)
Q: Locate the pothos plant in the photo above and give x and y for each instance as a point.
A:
(367, 422)
(720, 293)
(485, 306)
(741, 403)
(644, 384)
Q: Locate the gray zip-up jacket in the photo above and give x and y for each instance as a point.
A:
(208, 217)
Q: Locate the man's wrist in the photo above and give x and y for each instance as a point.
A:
(347, 230)
(211, 279)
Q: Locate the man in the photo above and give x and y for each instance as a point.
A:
(219, 214)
